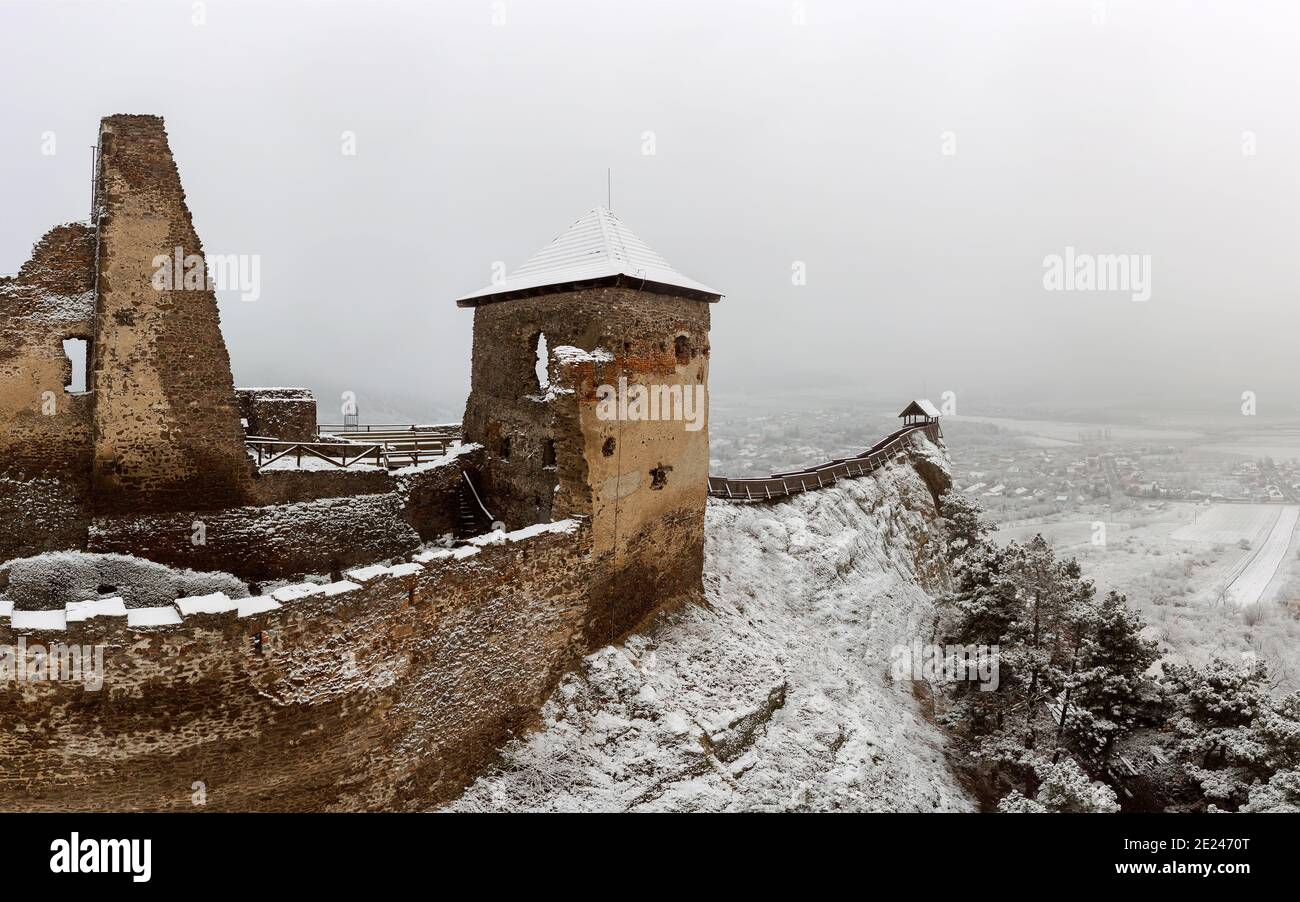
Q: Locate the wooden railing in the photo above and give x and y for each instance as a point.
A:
(340, 454)
(403, 444)
(781, 485)
(447, 430)
(393, 446)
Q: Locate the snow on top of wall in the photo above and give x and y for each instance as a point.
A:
(297, 592)
(216, 603)
(568, 355)
(497, 537)
(38, 620)
(78, 570)
(452, 454)
(146, 617)
(259, 605)
(100, 607)
(338, 588)
(279, 393)
(365, 574)
(773, 696)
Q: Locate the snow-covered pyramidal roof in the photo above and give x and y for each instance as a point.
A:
(596, 250)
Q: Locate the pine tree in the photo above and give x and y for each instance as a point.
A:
(1280, 795)
(965, 528)
(1232, 735)
(1063, 787)
(1110, 686)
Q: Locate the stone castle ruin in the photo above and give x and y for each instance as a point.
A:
(299, 620)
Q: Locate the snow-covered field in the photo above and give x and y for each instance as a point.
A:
(1176, 564)
(1251, 584)
(1229, 523)
(773, 695)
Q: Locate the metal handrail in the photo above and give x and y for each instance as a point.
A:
(469, 482)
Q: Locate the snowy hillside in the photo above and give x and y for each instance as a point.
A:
(775, 694)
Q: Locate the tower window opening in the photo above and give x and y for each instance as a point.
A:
(542, 368)
(75, 350)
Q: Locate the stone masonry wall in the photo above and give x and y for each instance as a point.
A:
(284, 414)
(167, 431)
(45, 431)
(548, 454)
(305, 521)
(262, 543)
(387, 694)
(431, 494)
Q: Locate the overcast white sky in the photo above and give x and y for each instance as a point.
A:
(774, 143)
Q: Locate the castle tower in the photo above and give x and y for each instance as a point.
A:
(167, 434)
(589, 394)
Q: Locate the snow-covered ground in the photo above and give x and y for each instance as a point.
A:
(1250, 585)
(774, 694)
(1229, 523)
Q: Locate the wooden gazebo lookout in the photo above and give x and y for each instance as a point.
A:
(919, 413)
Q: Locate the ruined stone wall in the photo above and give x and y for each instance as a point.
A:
(289, 486)
(389, 695)
(45, 431)
(644, 483)
(284, 414)
(305, 521)
(431, 495)
(156, 444)
(167, 431)
(270, 542)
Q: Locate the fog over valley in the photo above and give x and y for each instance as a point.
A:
(917, 164)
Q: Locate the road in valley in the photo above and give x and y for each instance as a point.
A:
(1253, 580)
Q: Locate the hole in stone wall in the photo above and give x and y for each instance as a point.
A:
(682, 348)
(548, 453)
(659, 476)
(607, 449)
(503, 449)
(542, 369)
(75, 349)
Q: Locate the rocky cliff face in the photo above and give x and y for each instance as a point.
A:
(776, 693)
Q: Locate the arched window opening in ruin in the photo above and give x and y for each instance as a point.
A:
(543, 366)
(607, 449)
(76, 349)
(682, 348)
(548, 453)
